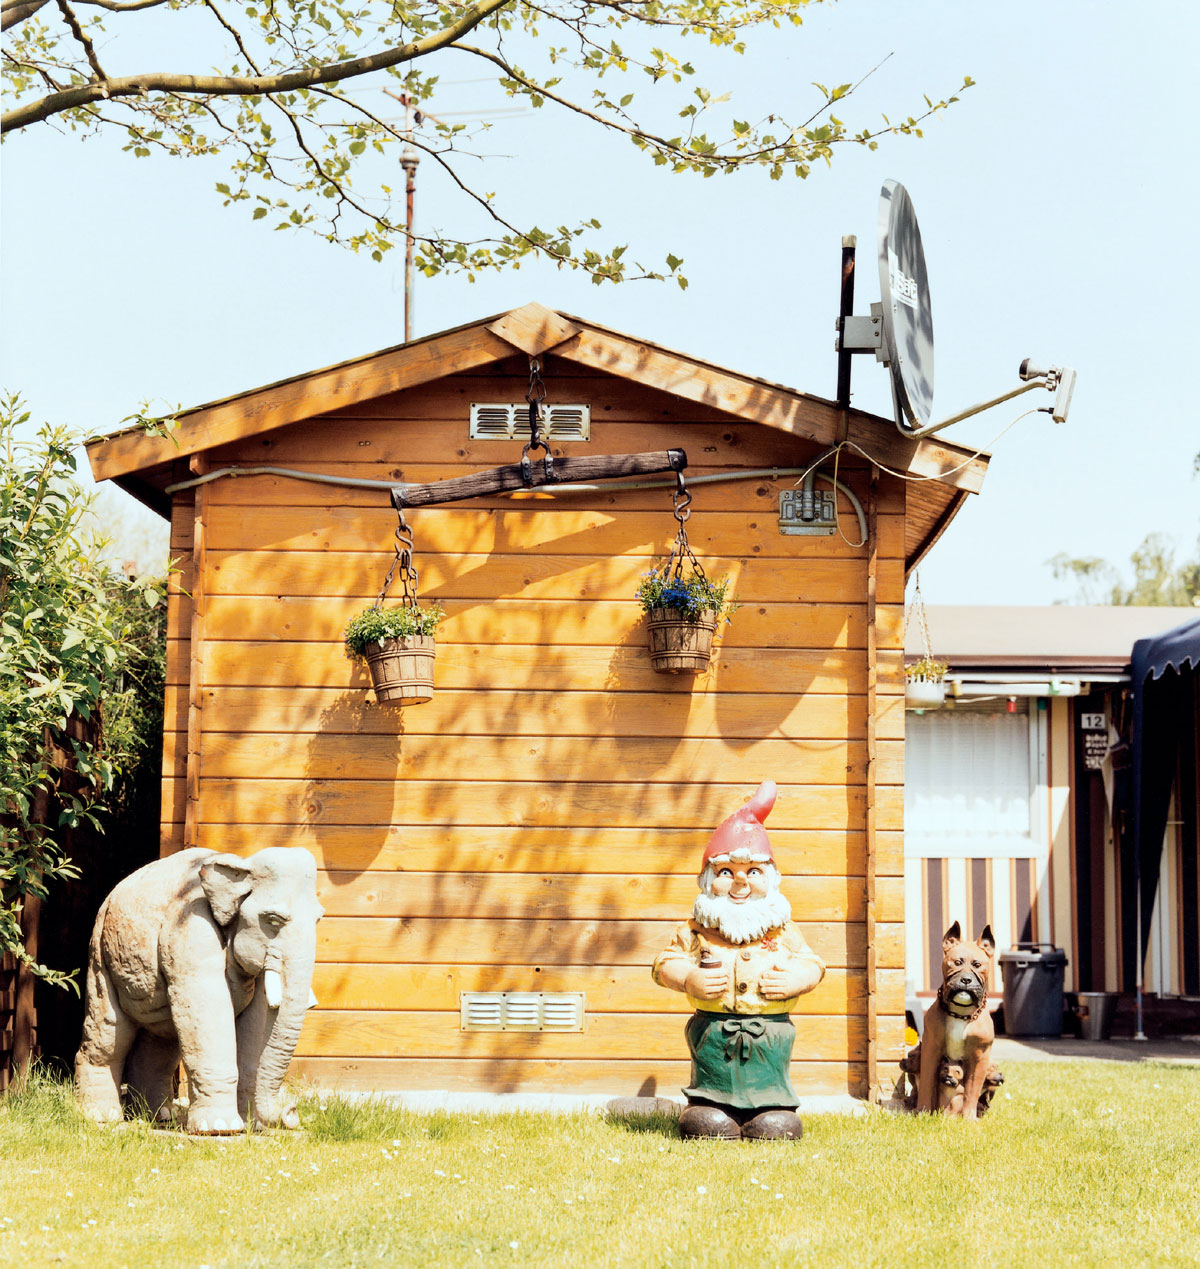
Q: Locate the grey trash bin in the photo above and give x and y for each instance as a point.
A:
(1033, 989)
(1095, 1011)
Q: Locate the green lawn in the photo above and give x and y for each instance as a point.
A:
(1088, 1163)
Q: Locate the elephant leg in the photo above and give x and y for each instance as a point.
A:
(150, 1073)
(253, 1027)
(108, 1035)
(202, 1012)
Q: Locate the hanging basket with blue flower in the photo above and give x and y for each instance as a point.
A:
(682, 603)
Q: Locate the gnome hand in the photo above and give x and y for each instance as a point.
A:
(707, 984)
(778, 983)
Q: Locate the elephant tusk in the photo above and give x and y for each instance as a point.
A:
(312, 999)
(273, 986)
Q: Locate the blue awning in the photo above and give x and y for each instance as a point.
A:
(1176, 649)
(1161, 712)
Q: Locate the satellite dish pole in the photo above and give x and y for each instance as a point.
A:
(846, 309)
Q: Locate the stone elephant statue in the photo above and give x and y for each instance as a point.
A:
(209, 958)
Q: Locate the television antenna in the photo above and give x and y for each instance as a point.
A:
(900, 329)
(409, 158)
(415, 116)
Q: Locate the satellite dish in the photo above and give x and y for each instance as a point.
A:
(900, 329)
(907, 315)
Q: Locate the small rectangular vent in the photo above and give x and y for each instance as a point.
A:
(521, 1011)
(491, 421)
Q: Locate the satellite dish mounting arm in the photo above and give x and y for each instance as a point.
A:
(1057, 379)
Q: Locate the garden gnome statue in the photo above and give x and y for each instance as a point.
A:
(742, 965)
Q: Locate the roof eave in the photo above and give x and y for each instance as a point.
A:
(535, 330)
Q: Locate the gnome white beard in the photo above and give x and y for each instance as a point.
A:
(742, 922)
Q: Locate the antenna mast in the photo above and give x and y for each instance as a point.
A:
(409, 158)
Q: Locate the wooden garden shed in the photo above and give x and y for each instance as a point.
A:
(538, 826)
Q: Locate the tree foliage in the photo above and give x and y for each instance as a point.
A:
(296, 101)
(81, 658)
(1157, 580)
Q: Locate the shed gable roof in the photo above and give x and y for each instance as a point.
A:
(142, 463)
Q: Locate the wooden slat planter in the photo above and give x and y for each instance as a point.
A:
(678, 646)
(402, 669)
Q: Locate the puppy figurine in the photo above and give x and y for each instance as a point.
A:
(991, 1082)
(950, 1087)
(958, 1026)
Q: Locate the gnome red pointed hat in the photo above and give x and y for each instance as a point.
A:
(743, 831)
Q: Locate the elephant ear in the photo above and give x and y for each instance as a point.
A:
(226, 882)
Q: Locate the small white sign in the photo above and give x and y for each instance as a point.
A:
(1092, 722)
(904, 288)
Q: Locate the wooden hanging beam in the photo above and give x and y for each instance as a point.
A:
(581, 469)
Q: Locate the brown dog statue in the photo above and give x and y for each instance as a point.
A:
(958, 1028)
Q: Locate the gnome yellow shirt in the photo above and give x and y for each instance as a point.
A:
(782, 947)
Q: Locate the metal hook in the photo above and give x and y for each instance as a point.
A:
(681, 499)
(403, 557)
(537, 389)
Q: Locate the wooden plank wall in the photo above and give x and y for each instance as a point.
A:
(539, 824)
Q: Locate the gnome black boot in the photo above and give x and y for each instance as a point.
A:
(700, 1120)
(774, 1125)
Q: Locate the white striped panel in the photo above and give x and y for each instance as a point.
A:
(956, 894)
(915, 921)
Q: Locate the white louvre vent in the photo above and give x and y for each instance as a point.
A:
(482, 1012)
(521, 1011)
(493, 421)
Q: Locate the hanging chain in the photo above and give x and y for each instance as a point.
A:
(404, 559)
(681, 551)
(917, 609)
(537, 436)
(535, 396)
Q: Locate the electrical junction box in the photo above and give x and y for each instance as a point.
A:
(814, 514)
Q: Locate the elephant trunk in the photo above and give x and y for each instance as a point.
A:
(269, 1029)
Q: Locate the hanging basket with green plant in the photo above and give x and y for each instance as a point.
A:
(397, 643)
(925, 678)
(683, 605)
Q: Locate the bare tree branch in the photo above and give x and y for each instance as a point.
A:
(300, 57)
(78, 32)
(15, 11)
(246, 86)
(41, 72)
(114, 6)
(237, 37)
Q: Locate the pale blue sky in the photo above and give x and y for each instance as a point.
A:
(1057, 204)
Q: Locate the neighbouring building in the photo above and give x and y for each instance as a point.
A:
(1019, 795)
